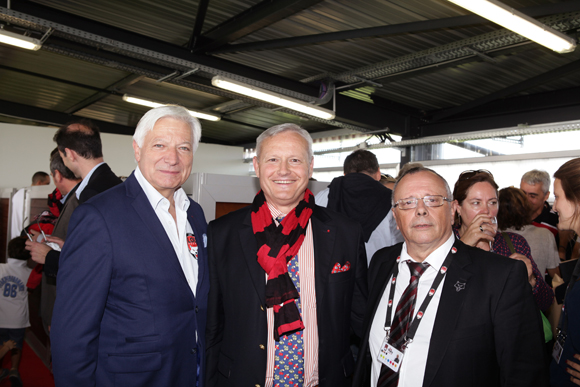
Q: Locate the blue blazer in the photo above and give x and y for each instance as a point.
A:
(124, 313)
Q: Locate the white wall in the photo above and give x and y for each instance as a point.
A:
(25, 150)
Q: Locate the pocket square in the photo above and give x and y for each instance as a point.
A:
(341, 269)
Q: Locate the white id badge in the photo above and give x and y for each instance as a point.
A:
(390, 356)
(557, 352)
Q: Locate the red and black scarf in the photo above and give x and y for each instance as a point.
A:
(277, 245)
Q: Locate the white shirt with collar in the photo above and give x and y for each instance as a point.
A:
(412, 370)
(85, 181)
(177, 233)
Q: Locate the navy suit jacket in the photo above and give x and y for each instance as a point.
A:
(124, 313)
(487, 333)
(237, 334)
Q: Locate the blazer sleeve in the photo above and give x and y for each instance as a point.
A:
(83, 283)
(517, 332)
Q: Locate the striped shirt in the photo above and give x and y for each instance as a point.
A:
(308, 299)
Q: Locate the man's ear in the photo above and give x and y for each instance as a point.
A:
(70, 154)
(137, 151)
(57, 177)
(256, 166)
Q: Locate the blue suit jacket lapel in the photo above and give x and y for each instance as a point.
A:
(449, 309)
(151, 222)
(196, 219)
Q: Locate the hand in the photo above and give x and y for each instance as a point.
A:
(526, 260)
(574, 369)
(10, 344)
(474, 236)
(56, 240)
(38, 251)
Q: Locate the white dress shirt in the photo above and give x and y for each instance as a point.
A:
(177, 233)
(412, 370)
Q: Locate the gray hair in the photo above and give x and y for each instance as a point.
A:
(274, 130)
(537, 176)
(414, 170)
(149, 119)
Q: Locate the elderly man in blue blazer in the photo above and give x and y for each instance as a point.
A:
(133, 279)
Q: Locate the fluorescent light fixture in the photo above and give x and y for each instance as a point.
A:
(274, 98)
(151, 104)
(18, 40)
(519, 23)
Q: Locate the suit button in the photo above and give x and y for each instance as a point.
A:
(256, 385)
(196, 309)
(261, 307)
(262, 346)
(193, 351)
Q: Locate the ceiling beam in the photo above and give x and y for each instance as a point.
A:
(51, 117)
(548, 76)
(383, 31)
(253, 19)
(502, 120)
(199, 20)
(115, 88)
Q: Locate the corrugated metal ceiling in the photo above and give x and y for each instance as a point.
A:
(60, 77)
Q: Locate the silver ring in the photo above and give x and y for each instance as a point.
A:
(480, 228)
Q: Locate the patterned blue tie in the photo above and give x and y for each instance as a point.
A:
(289, 351)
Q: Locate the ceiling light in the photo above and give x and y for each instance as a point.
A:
(520, 23)
(151, 104)
(274, 98)
(18, 40)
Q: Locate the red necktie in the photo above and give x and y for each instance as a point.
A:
(401, 321)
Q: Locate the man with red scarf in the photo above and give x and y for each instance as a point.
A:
(287, 279)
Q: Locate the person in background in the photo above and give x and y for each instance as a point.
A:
(476, 206)
(455, 315)
(360, 196)
(16, 219)
(536, 185)
(514, 216)
(80, 148)
(388, 181)
(565, 367)
(14, 304)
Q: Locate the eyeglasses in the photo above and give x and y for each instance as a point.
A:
(429, 200)
(465, 175)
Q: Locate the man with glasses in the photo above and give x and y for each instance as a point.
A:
(441, 313)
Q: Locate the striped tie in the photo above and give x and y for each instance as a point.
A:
(401, 321)
(289, 351)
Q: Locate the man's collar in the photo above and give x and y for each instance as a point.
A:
(85, 181)
(436, 258)
(155, 197)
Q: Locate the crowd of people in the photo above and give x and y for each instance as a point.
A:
(376, 281)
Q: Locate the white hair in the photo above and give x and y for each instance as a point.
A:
(149, 119)
(277, 129)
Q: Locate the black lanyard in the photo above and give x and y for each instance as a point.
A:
(415, 323)
(563, 323)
